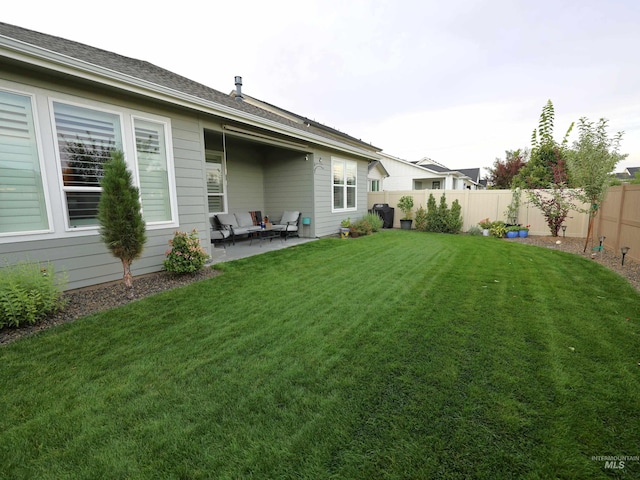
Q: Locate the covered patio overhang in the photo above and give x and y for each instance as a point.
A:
(250, 170)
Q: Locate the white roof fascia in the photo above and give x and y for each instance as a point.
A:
(30, 54)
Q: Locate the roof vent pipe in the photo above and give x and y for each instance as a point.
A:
(239, 88)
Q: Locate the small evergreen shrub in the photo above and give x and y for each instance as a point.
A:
(421, 219)
(374, 220)
(454, 218)
(29, 292)
(442, 219)
(186, 255)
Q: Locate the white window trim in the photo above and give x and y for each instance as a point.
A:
(127, 117)
(64, 189)
(166, 125)
(42, 165)
(224, 181)
(344, 209)
(49, 162)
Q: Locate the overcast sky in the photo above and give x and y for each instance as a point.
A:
(458, 81)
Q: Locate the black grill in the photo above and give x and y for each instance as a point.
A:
(385, 212)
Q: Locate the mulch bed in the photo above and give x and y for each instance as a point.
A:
(98, 298)
(103, 297)
(608, 258)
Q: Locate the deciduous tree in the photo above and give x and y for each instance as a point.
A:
(591, 162)
(503, 172)
(547, 170)
(547, 155)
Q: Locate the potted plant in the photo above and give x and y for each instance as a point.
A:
(485, 226)
(406, 205)
(524, 231)
(345, 225)
(512, 231)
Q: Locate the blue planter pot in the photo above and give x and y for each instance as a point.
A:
(512, 234)
(523, 233)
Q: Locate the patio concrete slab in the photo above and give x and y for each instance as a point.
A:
(246, 248)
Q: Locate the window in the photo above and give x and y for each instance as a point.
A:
(345, 173)
(215, 182)
(22, 200)
(86, 139)
(375, 186)
(436, 185)
(151, 151)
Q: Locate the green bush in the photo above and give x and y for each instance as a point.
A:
(29, 291)
(433, 220)
(442, 219)
(186, 255)
(474, 230)
(454, 218)
(374, 220)
(421, 219)
(498, 229)
(361, 227)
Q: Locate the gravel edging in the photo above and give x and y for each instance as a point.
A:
(86, 301)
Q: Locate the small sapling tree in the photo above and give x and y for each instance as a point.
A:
(591, 162)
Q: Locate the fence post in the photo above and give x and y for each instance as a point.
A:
(619, 219)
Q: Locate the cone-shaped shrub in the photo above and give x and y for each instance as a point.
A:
(122, 228)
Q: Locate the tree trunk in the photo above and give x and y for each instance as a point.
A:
(127, 277)
(589, 232)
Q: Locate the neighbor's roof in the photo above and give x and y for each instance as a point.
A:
(152, 75)
(472, 173)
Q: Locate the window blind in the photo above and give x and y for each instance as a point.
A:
(152, 168)
(22, 200)
(86, 139)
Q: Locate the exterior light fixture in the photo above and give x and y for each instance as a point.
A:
(624, 251)
(564, 231)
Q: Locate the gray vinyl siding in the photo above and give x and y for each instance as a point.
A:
(81, 256)
(327, 222)
(259, 177)
(245, 179)
(188, 151)
(289, 186)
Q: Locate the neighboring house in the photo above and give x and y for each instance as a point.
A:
(474, 175)
(628, 174)
(426, 174)
(193, 151)
(377, 174)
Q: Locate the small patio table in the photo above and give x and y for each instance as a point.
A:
(264, 233)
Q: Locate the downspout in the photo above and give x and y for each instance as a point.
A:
(224, 179)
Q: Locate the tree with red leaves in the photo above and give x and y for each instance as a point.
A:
(504, 171)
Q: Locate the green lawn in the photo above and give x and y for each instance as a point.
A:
(399, 355)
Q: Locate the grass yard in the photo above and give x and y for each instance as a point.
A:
(399, 355)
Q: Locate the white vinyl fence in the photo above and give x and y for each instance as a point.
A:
(480, 204)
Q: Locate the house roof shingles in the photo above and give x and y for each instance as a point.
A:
(153, 74)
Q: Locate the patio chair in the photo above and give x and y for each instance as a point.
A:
(237, 224)
(218, 233)
(288, 224)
